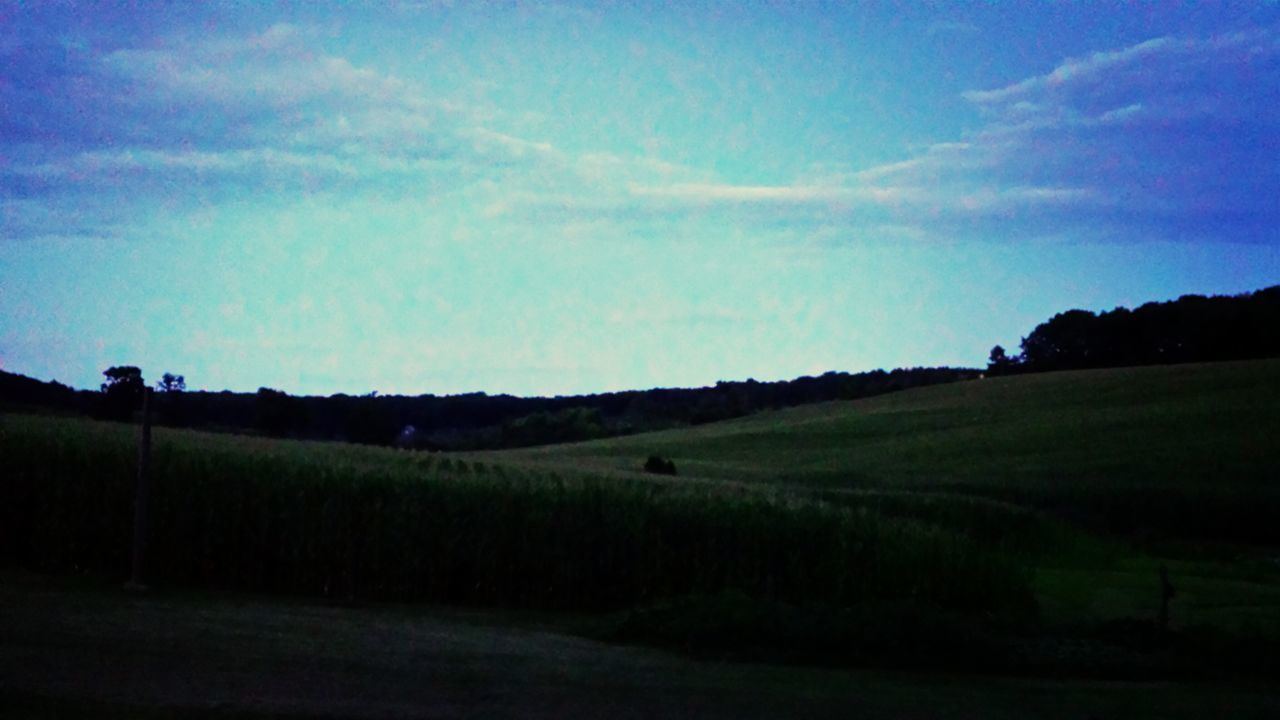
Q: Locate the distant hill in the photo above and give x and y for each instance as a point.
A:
(477, 420)
(1188, 449)
(22, 392)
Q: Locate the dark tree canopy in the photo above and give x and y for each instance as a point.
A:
(170, 383)
(122, 376)
(1192, 328)
(475, 421)
(999, 361)
(121, 393)
(278, 413)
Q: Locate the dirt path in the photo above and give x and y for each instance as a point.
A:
(68, 649)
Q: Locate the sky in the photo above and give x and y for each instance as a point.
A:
(561, 198)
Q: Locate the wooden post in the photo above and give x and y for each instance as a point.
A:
(142, 496)
(1166, 594)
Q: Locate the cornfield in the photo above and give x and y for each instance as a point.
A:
(355, 522)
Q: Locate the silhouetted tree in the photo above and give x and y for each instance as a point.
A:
(475, 421)
(370, 422)
(171, 401)
(21, 391)
(1193, 328)
(170, 383)
(999, 363)
(121, 393)
(1064, 342)
(278, 413)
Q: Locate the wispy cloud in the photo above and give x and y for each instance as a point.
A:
(266, 111)
(1077, 70)
(770, 194)
(1171, 138)
(1171, 134)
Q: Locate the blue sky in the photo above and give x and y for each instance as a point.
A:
(543, 198)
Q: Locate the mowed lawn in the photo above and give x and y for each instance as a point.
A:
(1203, 424)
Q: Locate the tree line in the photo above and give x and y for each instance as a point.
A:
(454, 422)
(1193, 328)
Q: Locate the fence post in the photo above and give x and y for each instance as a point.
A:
(142, 495)
(1166, 594)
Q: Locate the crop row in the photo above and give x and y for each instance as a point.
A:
(284, 517)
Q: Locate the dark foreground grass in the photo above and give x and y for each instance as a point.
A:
(364, 524)
(76, 648)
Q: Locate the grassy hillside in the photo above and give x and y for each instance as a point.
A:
(1177, 465)
(1185, 422)
(923, 527)
(1187, 448)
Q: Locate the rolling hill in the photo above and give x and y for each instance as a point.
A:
(882, 530)
(1193, 444)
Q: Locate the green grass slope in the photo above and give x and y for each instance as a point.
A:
(1189, 448)
(888, 530)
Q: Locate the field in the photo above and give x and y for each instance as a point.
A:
(1123, 470)
(1005, 526)
(1132, 447)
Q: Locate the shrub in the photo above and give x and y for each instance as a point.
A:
(659, 466)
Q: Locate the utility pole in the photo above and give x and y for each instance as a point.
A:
(142, 496)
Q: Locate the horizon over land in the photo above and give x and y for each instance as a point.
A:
(1016, 356)
(508, 219)
(553, 200)
(1007, 537)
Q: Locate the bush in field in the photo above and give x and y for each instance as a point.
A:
(659, 466)
(352, 521)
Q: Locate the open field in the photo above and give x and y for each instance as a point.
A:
(1206, 423)
(343, 521)
(1182, 460)
(1011, 526)
(1188, 450)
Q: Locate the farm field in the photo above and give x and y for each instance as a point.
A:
(1182, 459)
(1198, 423)
(1010, 527)
(1131, 446)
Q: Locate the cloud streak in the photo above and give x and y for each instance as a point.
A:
(1171, 135)
(231, 116)
(1171, 138)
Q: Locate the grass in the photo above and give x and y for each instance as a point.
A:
(77, 648)
(1001, 522)
(1184, 451)
(1094, 478)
